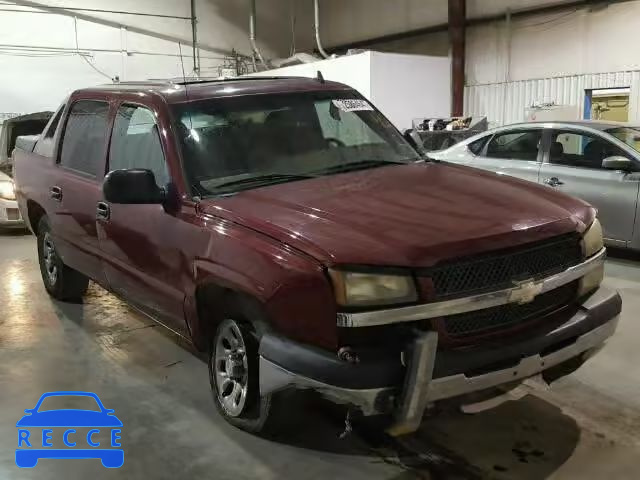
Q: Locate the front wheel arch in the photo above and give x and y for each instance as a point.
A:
(213, 302)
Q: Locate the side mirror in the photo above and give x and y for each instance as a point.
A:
(132, 186)
(413, 137)
(617, 162)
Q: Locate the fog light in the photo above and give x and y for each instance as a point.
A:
(591, 280)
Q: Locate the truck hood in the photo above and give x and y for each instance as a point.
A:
(404, 215)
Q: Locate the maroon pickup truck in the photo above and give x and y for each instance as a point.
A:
(288, 228)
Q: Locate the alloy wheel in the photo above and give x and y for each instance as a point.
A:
(230, 368)
(50, 259)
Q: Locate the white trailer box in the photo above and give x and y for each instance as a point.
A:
(402, 86)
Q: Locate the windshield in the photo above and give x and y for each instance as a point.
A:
(66, 402)
(629, 135)
(238, 143)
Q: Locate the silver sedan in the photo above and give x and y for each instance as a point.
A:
(596, 161)
(9, 213)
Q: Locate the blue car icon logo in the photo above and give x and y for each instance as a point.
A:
(34, 444)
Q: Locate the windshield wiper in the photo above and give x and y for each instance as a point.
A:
(352, 166)
(260, 180)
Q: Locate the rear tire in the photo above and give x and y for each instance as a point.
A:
(234, 378)
(61, 282)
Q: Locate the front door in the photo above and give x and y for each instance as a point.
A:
(513, 152)
(573, 165)
(75, 186)
(141, 244)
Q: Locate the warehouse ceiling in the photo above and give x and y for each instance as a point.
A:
(362, 20)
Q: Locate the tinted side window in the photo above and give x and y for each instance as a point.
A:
(44, 145)
(520, 145)
(84, 136)
(54, 123)
(135, 143)
(476, 146)
(581, 150)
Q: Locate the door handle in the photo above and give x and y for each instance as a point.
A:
(553, 181)
(103, 212)
(56, 193)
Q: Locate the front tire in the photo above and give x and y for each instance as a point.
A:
(234, 379)
(60, 281)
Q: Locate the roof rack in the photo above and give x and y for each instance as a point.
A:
(195, 81)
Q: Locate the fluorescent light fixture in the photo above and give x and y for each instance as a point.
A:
(608, 92)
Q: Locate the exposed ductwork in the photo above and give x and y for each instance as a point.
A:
(252, 36)
(316, 25)
(297, 59)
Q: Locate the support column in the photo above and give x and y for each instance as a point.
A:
(457, 19)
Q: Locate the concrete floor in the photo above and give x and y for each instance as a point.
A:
(586, 426)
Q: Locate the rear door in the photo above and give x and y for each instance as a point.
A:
(515, 152)
(75, 186)
(573, 165)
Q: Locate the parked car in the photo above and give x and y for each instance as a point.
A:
(9, 212)
(596, 161)
(12, 128)
(284, 225)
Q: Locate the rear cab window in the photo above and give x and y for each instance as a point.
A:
(84, 137)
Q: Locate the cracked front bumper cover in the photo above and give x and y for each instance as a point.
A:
(388, 387)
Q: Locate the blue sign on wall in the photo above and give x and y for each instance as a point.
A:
(34, 443)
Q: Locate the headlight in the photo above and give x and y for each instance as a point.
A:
(367, 289)
(7, 191)
(592, 241)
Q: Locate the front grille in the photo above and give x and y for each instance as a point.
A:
(497, 271)
(13, 214)
(508, 316)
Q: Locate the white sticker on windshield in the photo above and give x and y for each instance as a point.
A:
(352, 105)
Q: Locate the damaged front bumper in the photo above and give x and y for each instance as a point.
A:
(385, 385)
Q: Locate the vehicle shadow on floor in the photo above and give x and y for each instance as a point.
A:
(623, 254)
(14, 232)
(528, 438)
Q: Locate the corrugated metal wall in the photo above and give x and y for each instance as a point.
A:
(504, 103)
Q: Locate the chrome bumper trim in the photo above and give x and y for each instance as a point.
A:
(456, 385)
(522, 293)
(433, 390)
(418, 378)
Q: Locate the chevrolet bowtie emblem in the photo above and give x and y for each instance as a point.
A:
(525, 292)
